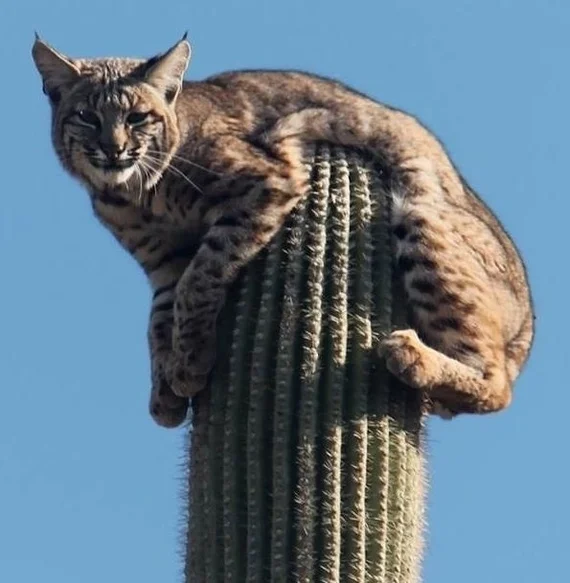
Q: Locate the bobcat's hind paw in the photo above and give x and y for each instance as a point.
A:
(408, 358)
(441, 411)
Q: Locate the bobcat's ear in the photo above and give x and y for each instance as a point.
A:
(57, 70)
(165, 72)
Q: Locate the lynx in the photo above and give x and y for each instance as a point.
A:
(194, 178)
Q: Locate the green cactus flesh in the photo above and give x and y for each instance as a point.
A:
(306, 459)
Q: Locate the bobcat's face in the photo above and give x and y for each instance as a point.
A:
(113, 135)
(114, 123)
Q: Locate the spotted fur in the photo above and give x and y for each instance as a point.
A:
(194, 178)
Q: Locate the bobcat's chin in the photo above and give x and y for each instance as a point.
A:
(126, 175)
(110, 177)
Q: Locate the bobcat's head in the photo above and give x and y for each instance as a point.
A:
(113, 120)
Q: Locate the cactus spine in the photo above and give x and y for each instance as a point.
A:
(306, 459)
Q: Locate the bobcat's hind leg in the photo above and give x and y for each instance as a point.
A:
(453, 385)
(457, 358)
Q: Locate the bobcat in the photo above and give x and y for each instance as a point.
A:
(195, 178)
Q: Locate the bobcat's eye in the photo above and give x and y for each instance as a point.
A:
(89, 118)
(137, 118)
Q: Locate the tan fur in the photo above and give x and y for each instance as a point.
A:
(195, 178)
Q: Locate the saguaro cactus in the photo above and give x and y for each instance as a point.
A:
(305, 459)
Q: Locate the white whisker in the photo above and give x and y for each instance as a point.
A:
(147, 172)
(138, 174)
(178, 172)
(187, 161)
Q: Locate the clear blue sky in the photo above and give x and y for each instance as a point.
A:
(89, 487)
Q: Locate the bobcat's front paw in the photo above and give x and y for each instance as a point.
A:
(408, 358)
(191, 361)
(166, 408)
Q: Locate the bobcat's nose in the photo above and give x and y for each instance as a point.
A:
(113, 151)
